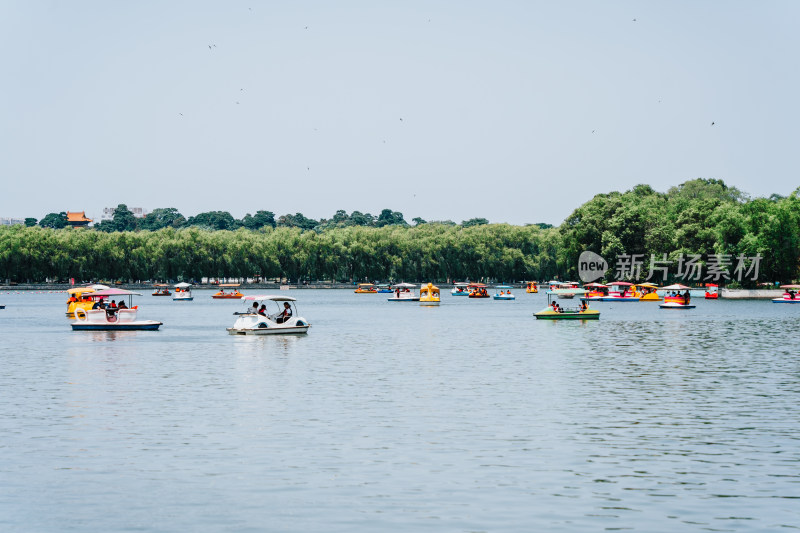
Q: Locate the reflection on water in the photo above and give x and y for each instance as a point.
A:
(472, 416)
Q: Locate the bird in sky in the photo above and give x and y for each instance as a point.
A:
(713, 123)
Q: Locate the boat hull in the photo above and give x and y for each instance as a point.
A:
(189, 299)
(675, 305)
(616, 299)
(429, 303)
(498, 297)
(402, 299)
(786, 301)
(549, 314)
(227, 296)
(143, 325)
(652, 297)
(291, 330)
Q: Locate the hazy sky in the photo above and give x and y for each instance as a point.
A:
(516, 111)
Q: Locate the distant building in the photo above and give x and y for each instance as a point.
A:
(108, 213)
(11, 221)
(77, 219)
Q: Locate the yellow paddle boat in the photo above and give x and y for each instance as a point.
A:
(366, 288)
(647, 292)
(429, 295)
(531, 287)
(80, 298)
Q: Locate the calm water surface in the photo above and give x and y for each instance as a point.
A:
(392, 417)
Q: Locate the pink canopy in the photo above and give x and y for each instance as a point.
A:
(113, 292)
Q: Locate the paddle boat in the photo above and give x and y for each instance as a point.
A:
(673, 294)
(403, 293)
(555, 312)
(478, 290)
(384, 288)
(504, 294)
(105, 318)
(80, 298)
(183, 292)
(595, 291)
(460, 289)
(712, 291)
(674, 299)
(232, 292)
(790, 296)
(531, 287)
(553, 284)
(567, 290)
(647, 292)
(162, 289)
(366, 288)
(255, 320)
(429, 295)
(620, 291)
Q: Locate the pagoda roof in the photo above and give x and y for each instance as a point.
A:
(77, 216)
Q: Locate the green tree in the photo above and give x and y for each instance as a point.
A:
(474, 222)
(30, 222)
(123, 219)
(259, 220)
(214, 220)
(54, 220)
(162, 217)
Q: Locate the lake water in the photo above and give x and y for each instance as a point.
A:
(472, 416)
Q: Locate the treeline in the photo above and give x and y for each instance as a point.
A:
(703, 217)
(432, 251)
(123, 219)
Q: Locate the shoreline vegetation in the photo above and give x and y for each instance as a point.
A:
(702, 216)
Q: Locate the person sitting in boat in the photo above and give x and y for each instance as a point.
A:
(284, 315)
(99, 304)
(122, 305)
(255, 308)
(791, 294)
(686, 298)
(263, 310)
(72, 299)
(113, 304)
(584, 307)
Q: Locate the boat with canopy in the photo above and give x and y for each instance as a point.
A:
(478, 290)
(460, 288)
(228, 291)
(403, 292)
(80, 298)
(183, 292)
(553, 311)
(504, 294)
(366, 288)
(531, 287)
(790, 296)
(161, 289)
(647, 292)
(124, 317)
(681, 301)
(256, 319)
